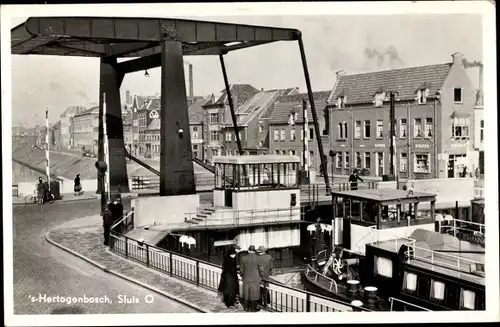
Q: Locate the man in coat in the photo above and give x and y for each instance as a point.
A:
(265, 268)
(107, 222)
(249, 267)
(116, 208)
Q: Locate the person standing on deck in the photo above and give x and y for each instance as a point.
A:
(251, 280)
(265, 268)
(353, 179)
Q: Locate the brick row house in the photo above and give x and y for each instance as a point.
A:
(433, 121)
(148, 122)
(286, 127)
(217, 113)
(253, 123)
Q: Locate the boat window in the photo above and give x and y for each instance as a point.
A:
(437, 290)
(423, 287)
(383, 266)
(467, 299)
(410, 281)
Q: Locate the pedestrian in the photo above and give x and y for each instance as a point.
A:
(353, 179)
(229, 286)
(116, 208)
(265, 269)
(107, 222)
(78, 186)
(251, 280)
(40, 190)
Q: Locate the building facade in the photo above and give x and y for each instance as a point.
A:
(253, 127)
(433, 122)
(286, 123)
(67, 125)
(86, 130)
(216, 115)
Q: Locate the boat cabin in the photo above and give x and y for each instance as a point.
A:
(257, 181)
(367, 215)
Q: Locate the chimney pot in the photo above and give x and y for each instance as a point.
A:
(458, 59)
(340, 73)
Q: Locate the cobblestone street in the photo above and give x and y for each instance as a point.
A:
(87, 241)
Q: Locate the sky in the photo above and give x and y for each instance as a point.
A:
(356, 44)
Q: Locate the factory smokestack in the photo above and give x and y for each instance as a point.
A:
(191, 91)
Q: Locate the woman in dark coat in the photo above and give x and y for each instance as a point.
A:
(229, 286)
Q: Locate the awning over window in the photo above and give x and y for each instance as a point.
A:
(460, 114)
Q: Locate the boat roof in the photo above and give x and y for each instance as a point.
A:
(256, 159)
(386, 195)
(428, 254)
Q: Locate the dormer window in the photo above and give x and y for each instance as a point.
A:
(379, 97)
(423, 93)
(341, 102)
(293, 117)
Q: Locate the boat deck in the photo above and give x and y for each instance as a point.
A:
(444, 255)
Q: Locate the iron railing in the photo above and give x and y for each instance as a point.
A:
(207, 275)
(153, 182)
(445, 260)
(405, 306)
(245, 217)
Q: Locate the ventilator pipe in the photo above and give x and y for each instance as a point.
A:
(353, 286)
(356, 305)
(371, 294)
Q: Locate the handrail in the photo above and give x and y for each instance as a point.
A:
(392, 299)
(250, 210)
(332, 281)
(435, 254)
(125, 216)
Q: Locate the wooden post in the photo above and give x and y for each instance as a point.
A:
(379, 215)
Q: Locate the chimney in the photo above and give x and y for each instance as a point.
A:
(127, 97)
(340, 73)
(458, 59)
(191, 91)
(479, 100)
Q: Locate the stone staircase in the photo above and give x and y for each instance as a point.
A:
(203, 213)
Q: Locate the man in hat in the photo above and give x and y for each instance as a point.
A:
(107, 222)
(116, 208)
(265, 268)
(249, 266)
(353, 179)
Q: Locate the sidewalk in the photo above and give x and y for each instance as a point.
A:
(83, 238)
(67, 197)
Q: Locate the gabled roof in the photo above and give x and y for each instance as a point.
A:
(195, 111)
(285, 105)
(241, 93)
(255, 107)
(90, 111)
(361, 88)
(155, 124)
(73, 110)
(140, 100)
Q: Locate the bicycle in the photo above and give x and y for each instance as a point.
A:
(33, 198)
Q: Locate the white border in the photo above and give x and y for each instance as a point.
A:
(484, 8)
